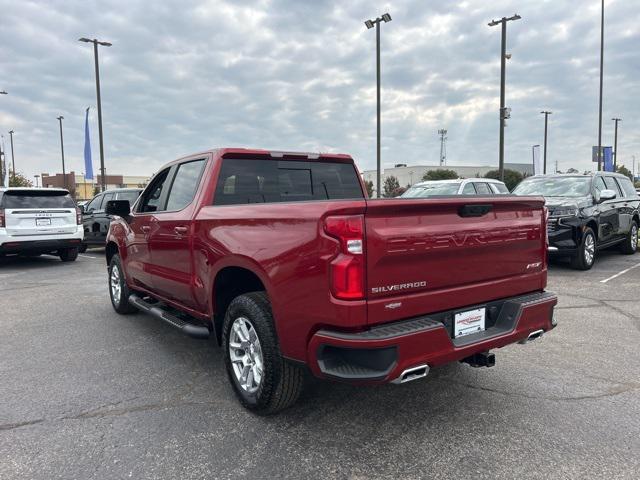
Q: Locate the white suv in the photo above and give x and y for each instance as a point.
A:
(39, 220)
(460, 186)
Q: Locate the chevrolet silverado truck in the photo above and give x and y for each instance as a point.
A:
(285, 261)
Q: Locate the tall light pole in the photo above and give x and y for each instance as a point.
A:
(95, 56)
(13, 158)
(369, 24)
(615, 144)
(2, 154)
(600, 103)
(64, 176)
(443, 149)
(504, 112)
(546, 114)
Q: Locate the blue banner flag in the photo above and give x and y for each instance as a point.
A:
(88, 166)
(607, 153)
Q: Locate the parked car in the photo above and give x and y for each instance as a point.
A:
(34, 221)
(284, 259)
(95, 220)
(460, 186)
(587, 213)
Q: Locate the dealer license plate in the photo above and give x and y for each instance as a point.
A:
(471, 321)
(41, 222)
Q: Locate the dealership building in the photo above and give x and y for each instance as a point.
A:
(410, 174)
(83, 189)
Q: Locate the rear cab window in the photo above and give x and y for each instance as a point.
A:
(483, 188)
(499, 188)
(36, 199)
(243, 181)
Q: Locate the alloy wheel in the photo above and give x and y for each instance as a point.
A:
(114, 282)
(246, 355)
(589, 249)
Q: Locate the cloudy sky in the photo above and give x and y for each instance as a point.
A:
(186, 75)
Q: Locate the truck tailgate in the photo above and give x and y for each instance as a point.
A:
(429, 255)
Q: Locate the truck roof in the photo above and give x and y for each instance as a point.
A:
(269, 154)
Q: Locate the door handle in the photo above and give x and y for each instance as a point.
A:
(145, 228)
(180, 230)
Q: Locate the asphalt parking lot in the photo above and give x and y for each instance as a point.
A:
(88, 394)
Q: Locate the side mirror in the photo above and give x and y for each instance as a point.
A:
(120, 208)
(81, 208)
(607, 195)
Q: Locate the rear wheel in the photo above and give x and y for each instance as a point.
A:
(630, 245)
(118, 289)
(586, 251)
(68, 254)
(263, 380)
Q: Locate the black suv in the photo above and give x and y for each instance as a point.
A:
(587, 213)
(94, 218)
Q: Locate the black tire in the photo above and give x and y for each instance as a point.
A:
(119, 296)
(583, 261)
(82, 248)
(68, 254)
(630, 244)
(282, 381)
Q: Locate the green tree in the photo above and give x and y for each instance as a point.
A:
(369, 185)
(17, 179)
(511, 177)
(624, 171)
(391, 184)
(440, 174)
(572, 170)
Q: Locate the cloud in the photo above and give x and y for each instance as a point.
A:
(186, 75)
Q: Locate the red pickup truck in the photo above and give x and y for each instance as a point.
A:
(283, 258)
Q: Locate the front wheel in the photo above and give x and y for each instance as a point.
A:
(118, 290)
(68, 254)
(586, 251)
(263, 380)
(630, 245)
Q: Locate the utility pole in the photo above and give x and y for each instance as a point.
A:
(600, 103)
(13, 158)
(369, 24)
(95, 56)
(546, 118)
(615, 144)
(504, 112)
(64, 173)
(443, 146)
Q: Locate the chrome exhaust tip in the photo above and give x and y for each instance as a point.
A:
(532, 336)
(413, 373)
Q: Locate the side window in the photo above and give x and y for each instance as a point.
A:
(131, 196)
(612, 185)
(483, 188)
(152, 196)
(107, 197)
(598, 185)
(185, 184)
(468, 189)
(499, 188)
(94, 204)
(627, 186)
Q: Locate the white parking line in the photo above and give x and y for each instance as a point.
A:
(618, 274)
(85, 256)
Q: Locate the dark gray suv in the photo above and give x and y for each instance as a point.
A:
(587, 213)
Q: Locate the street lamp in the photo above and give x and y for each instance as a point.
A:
(64, 176)
(504, 112)
(369, 24)
(13, 158)
(615, 144)
(95, 56)
(600, 101)
(546, 120)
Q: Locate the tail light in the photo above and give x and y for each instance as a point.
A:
(347, 268)
(78, 216)
(545, 227)
(2, 224)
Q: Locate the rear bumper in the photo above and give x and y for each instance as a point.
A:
(382, 353)
(42, 246)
